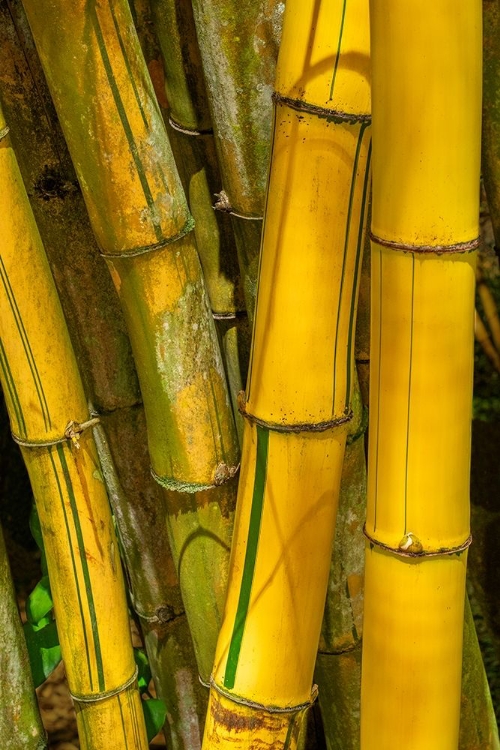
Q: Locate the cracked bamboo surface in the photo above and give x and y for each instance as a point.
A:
(20, 723)
(82, 552)
(300, 387)
(424, 230)
(118, 144)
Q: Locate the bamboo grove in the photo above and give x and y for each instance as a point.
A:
(236, 350)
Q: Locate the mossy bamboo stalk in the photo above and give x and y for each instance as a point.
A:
(46, 406)
(239, 42)
(300, 387)
(491, 111)
(137, 208)
(338, 664)
(192, 133)
(424, 234)
(21, 727)
(111, 382)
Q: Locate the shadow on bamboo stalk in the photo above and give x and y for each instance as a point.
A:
(96, 324)
(49, 420)
(193, 142)
(117, 140)
(20, 723)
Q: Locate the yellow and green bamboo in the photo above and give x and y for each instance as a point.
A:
(491, 111)
(21, 727)
(426, 158)
(117, 140)
(194, 146)
(98, 333)
(238, 42)
(47, 406)
(301, 380)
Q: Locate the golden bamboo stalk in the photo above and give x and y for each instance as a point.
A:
(426, 158)
(300, 387)
(49, 419)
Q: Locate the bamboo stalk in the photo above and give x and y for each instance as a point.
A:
(491, 119)
(20, 723)
(238, 41)
(101, 343)
(139, 215)
(192, 136)
(47, 411)
(424, 234)
(298, 399)
(489, 307)
(483, 338)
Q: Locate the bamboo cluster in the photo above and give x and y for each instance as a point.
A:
(189, 183)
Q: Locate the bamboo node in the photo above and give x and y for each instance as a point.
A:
(282, 427)
(75, 429)
(223, 473)
(104, 695)
(4, 132)
(178, 485)
(188, 131)
(133, 252)
(458, 247)
(411, 546)
(261, 706)
(223, 204)
(331, 115)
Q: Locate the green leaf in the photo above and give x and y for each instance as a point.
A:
(155, 712)
(144, 671)
(39, 601)
(43, 649)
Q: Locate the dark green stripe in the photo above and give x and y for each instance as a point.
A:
(250, 556)
(26, 345)
(354, 296)
(127, 65)
(85, 567)
(337, 57)
(289, 732)
(11, 387)
(409, 383)
(344, 258)
(122, 718)
(126, 127)
(73, 565)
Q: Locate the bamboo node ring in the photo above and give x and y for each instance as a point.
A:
(133, 252)
(72, 433)
(411, 546)
(4, 132)
(261, 706)
(97, 697)
(333, 115)
(177, 485)
(299, 427)
(458, 247)
(223, 204)
(188, 131)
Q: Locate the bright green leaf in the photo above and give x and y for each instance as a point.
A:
(43, 649)
(155, 712)
(39, 601)
(144, 672)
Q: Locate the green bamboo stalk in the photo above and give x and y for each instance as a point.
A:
(238, 41)
(192, 137)
(94, 317)
(491, 111)
(21, 727)
(139, 215)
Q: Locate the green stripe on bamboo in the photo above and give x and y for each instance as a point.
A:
(21, 727)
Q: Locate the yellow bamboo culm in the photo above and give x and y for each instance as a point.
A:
(426, 61)
(47, 408)
(297, 405)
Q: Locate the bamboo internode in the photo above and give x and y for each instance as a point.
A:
(426, 151)
(44, 394)
(296, 418)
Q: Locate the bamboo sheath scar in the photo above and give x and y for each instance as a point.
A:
(426, 155)
(46, 405)
(300, 387)
(97, 329)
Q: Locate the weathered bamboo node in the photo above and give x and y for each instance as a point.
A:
(189, 131)
(4, 132)
(456, 248)
(222, 474)
(331, 115)
(189, 226)
(410, 546)
(270, 709)
(72, 432)
(105, 694)
(223, 205)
